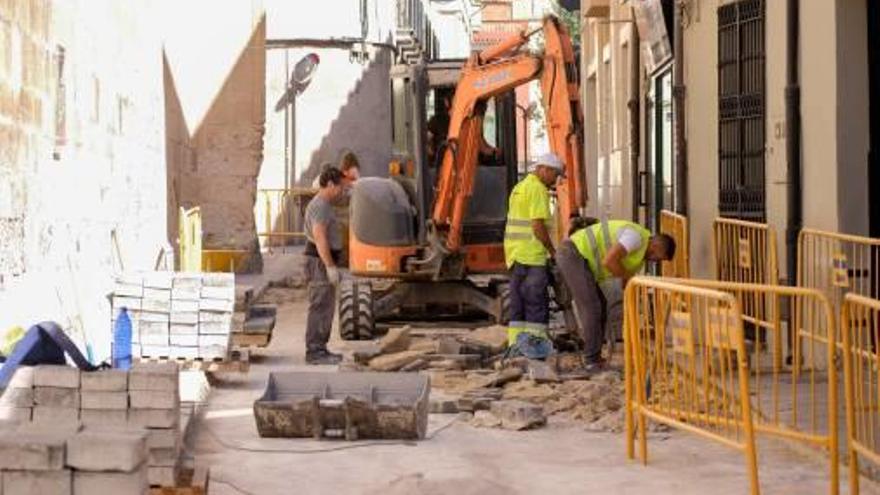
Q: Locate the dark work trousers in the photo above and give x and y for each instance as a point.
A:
(529, 302)
(589, 301)
(322, 303)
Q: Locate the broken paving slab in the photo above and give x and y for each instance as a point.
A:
(396, 340)
(393, 362)
(518, 415)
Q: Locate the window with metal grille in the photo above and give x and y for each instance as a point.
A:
(741, 124)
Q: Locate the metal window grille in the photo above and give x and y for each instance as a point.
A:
(741, 102)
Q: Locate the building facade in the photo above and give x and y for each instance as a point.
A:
(734, 88)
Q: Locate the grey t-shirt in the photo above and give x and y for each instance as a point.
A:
(320, 211)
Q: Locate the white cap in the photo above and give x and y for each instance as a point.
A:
(552, 161)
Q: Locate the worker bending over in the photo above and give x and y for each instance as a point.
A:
(527, 247)
(322, 256)
(592, 255)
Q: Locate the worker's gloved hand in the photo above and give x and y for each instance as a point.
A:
(333, 275)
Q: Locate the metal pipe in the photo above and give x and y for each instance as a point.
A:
(793, 138)
(678, 95)
(634, 113)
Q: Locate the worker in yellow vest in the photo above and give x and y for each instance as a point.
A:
(592, 255)
(527, 247)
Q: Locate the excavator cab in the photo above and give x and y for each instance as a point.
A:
(390, 216)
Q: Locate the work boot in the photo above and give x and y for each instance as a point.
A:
(323, 357)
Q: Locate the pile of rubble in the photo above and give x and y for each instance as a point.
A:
(469, 375)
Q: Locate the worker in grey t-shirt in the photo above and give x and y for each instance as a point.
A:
(321, 260)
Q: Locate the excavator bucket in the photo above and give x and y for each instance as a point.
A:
(344, 405)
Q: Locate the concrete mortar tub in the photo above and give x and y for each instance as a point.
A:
(344, 405)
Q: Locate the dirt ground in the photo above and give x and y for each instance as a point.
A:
(562, 457)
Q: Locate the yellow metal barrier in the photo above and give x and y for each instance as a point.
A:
(190, 239)
(838, 264)
(193, 258)
(676, 226)
(745, 252)
(860, 330)
(794, 401)
(685, 366)
(278, 214)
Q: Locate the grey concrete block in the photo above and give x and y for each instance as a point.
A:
(184, 317)
(57, 397)
(178, 306)
(56, 376)
(518, 415)
(163, 438)
(105, 381)
(162, 475)
(104, 400)
(22, 378)
(17, 397)
(104, 417)
(15, 414)
(153, 376)
(163, 457)
(55, 415)
(216, 305)
(154, 418)
(135, 482)
(32, 451)
(154, 399)
(95, 449)
(184, 329)
(38, 482)
(184, 340)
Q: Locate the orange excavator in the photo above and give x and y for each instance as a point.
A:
(427, 242)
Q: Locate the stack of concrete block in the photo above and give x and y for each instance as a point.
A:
(56, 395)
(17, 401)
(178, 315)
(54, 460)
(154, 396)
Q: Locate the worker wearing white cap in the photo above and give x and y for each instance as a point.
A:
(527, 247)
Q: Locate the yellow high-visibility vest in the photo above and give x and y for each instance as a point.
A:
(529, 200)
(595, 241)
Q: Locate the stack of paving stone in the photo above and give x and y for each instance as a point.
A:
(178, 315)
(145, 399)
(62, 460)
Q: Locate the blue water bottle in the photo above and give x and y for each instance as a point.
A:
(122, 341)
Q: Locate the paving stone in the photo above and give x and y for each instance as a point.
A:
(154, 418)
(153, 376)
(162, 475)
(38, 482)
(154, 399)
(56, 376)
(50, 414)
(104, 400)
(105, 381)
(57, 397)
(15, 414)
(396, 340)
(518, 415)
(96, 449)
(22, 378)
(135, 482)
(162, 438)
(17, 397)
(34, 451)
(444, 406)
(104, 417)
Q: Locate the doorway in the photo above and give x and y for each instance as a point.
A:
(873, 15)
(661, 167)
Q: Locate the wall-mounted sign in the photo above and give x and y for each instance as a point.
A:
(652, 23)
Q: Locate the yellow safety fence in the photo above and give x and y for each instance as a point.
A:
(860, 330)
(278, 214)
(676, 226)
(838, 264)
(797, 398)
(685, 366)
(193, 257)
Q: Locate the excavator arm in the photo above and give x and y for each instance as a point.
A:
(489, 73)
